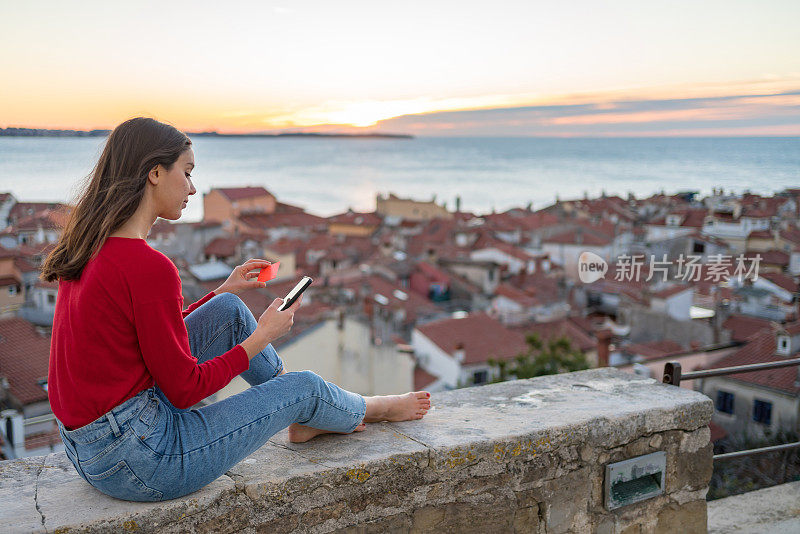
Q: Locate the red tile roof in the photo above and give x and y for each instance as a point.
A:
(46, 285)
(47, 219)
(222, 247)
(717, 432)
(432, 273)
(24, 266)
(756, 206)
(282, 207)
(655, 349)
(24, 359)
(632, 289)
(744, 326)
(10, 280)
(8, 252)
(21, 210)
(434, 232)
(781, 280)
(690, 217)
(760, 348)
(239, 193)
(791, 234)
(577, 337)
(481, 336)
(516, 295)
(283, 220)
(162, 228)
(201, 225)
(413, 304)
(43, 439)
(760, 234)
(792, 328)
(422, 378)
(670, 291)
(579, 237)
(355, 218)
(768, 257)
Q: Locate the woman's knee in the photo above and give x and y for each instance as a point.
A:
(234, 305)
(308, 379)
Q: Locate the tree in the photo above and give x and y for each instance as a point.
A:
(542, 358)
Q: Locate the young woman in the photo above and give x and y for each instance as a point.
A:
(127, 363)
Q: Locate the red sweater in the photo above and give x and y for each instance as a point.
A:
(120, 328)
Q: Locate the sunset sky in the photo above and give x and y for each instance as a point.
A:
(523, 68)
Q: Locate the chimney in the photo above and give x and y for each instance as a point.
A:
(368, 307)
(796, 303)
(368, 311)
(721, 313)
(458, 204)
(12, 422)
(603, 347)
(459, 352)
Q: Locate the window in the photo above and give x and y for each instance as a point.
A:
(51, 299)
(479, 377)
(699, 247)
(12, 290)
(725, 401)
(783, 345)
(762, 412)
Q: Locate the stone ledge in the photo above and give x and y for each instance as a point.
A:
(525, 455)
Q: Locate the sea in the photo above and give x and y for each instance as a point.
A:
(329, 175)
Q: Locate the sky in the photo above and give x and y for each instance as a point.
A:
(433, 68)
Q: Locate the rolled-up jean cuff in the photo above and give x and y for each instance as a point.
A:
(361, 415)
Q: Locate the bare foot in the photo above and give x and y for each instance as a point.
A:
(406, 407)
(300, 433)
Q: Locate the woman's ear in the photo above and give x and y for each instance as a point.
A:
(153, 175)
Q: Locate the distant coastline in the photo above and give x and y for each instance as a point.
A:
(39, 132)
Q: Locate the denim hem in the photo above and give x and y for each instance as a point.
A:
(348, 412)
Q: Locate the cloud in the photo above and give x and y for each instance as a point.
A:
(761, 112)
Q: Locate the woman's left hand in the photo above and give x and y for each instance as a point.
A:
(244, 276)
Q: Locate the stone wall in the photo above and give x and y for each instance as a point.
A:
(520, 456)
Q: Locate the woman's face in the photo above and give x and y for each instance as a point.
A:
(176, 186)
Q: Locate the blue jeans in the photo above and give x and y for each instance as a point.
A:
(146, 449)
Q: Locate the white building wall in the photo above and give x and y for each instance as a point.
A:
(567, 256)
(434, 360)
(658, 232)
(344, 357)
(784, 407)
(515, 265)
(677, 306)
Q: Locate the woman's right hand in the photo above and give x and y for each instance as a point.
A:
(273, 323)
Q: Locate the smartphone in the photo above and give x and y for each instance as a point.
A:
(295, 293)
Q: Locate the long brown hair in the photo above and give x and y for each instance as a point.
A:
(112, 192)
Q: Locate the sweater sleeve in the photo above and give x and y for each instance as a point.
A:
(192, 307)
(164, 344)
